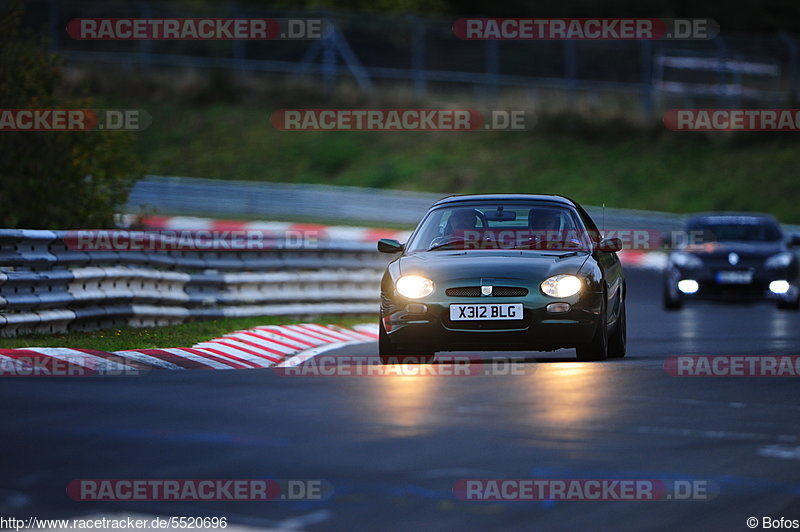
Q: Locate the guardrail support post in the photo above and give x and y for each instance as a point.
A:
(791, 44)
(646, 57)
(146, 45)
(418, 55)
(329, 63)
(53, 29)
(492, 64)
(571, 68)
(239, 45)
(721, 74)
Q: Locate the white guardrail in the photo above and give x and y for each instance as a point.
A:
(48, 287)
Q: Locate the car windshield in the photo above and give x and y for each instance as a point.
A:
(500, 226)
(736, 229)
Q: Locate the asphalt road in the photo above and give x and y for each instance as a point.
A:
(392, 447)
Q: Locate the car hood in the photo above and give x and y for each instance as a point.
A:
(451, 265)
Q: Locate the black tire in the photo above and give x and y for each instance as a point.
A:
(391, 354)
(793, 304)
(597, 348)
(385, 347)
(618, 342)
(670, 300)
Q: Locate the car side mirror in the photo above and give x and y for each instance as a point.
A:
(611, 245)
(387, 245)
(794, 240)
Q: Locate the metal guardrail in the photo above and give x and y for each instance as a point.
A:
(223, 198)
(211, 197)
(47, 287)
(269, 201)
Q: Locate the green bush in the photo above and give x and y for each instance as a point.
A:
(48, 179)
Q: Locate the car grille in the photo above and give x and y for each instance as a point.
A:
(497, 291)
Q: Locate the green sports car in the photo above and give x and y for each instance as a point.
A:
(499, 272)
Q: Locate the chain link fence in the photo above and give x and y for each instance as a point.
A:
(425, 56)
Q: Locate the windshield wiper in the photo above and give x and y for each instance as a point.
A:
(451, 243)
(549, 247)
(561, 255)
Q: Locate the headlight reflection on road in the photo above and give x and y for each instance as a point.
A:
(560, 397)
(402, 403)
(552, 400)
(688, 326)
(781, 327)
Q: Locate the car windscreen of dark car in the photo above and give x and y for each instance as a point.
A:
(533, 226)
(736, 229)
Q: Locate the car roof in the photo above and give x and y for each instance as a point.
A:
(505, 197)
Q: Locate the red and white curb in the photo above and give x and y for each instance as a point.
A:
(260, 347)
(644, 260)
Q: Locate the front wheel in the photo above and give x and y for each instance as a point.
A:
(792, 304)
(385, 347)
(618, 342)
(597, 348)
(390, 354)
(671, 300)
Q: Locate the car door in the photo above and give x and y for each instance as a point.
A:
(609, 265)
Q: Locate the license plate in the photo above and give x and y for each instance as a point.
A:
(734, 277)
(486, 311)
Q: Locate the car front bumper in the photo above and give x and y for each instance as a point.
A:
(709, 288)
(538, 330)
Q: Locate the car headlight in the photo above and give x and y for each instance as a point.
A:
(561, 285)
(780, 260)
(686, 260)
(414, 286)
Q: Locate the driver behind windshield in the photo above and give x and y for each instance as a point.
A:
(462, 220)
(544, 220)
(547, 227)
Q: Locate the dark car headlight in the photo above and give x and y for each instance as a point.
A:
(685, 260)
(561, 285)
(779, 260)
(414, 286)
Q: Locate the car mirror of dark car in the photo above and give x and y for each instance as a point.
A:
(387, 245)
(794, 240)
(610, 244)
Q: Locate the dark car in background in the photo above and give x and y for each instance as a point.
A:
(503, 272)
(732, 257)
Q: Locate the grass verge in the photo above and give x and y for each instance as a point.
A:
(592, 162)
(184, 335)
